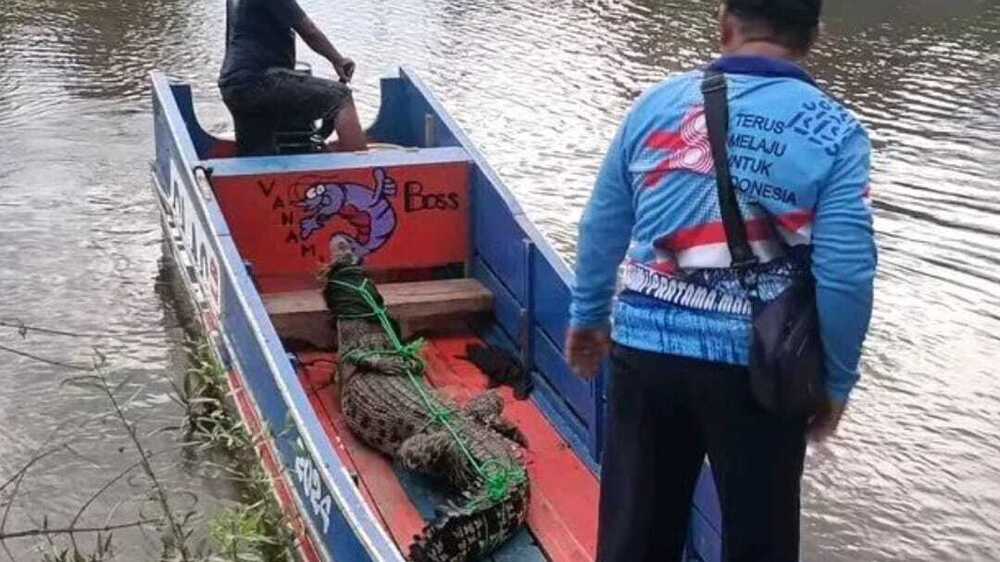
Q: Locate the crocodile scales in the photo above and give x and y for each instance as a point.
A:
(473, 449)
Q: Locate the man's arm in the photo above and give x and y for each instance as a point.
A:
(318, 42)
(605, 232)
(844, 261)
(290, 14)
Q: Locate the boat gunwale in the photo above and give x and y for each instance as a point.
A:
(304, 163)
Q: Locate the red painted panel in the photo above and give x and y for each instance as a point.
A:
(401, 217)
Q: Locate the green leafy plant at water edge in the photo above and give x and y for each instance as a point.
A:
(255, 530)
(203, 394)
(251, 533)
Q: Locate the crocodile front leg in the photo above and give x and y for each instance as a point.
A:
(487, 409)
(424, 452)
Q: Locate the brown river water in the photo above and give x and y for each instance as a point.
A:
(540, 86)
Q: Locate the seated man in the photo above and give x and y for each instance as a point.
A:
(263, 91)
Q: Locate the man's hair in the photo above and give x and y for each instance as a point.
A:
(792, 23)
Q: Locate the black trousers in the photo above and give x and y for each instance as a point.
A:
(280, 99)
(665, 414)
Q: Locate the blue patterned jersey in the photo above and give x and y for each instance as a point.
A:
(800, 164)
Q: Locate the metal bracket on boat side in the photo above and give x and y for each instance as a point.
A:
(526, 339)
(430, 130)
(201, 179)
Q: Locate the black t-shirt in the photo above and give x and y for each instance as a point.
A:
(259, 36)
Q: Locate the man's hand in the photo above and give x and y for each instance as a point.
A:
(586, 350)
(824, 424)
(345, 69)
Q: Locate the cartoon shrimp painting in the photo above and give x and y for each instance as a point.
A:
(366, 209)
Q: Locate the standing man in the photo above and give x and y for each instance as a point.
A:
(681, 325)
(263, 91)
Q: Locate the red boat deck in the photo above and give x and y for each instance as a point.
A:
(563, 517)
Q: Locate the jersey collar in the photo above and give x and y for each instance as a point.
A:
(760, 66)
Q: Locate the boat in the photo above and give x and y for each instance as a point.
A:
(457, 259)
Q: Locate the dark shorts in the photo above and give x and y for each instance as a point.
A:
(281, 100)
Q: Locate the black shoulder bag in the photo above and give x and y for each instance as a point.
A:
(786, 354)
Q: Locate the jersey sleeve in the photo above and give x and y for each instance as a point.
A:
(287, 12)
(844, 263)
(604, 235)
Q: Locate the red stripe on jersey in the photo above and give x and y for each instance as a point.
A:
(758, 230)
(794, 221)
(713, 233)
(665, 140)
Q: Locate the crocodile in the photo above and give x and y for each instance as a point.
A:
(388, 404)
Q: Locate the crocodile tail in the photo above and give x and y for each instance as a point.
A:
(470, 532)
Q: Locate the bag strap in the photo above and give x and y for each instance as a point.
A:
(229, 22)
(713, 87)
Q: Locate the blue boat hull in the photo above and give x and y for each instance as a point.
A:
(530, 284)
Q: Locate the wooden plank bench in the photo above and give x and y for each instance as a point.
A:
(302, 315)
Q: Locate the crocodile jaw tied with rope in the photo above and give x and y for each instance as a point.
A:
(389, 405)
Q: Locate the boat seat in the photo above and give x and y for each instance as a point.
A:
(302, 315)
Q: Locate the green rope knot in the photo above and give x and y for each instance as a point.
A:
(410, 355)
(413, 355)
(441, 415)
(500, 478)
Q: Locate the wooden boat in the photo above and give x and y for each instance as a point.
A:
(458, 260)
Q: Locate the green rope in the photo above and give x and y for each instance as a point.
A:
(498, 477)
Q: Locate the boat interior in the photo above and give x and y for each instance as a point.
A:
(408, 205)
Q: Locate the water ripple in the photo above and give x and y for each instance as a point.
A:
(541, 86)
